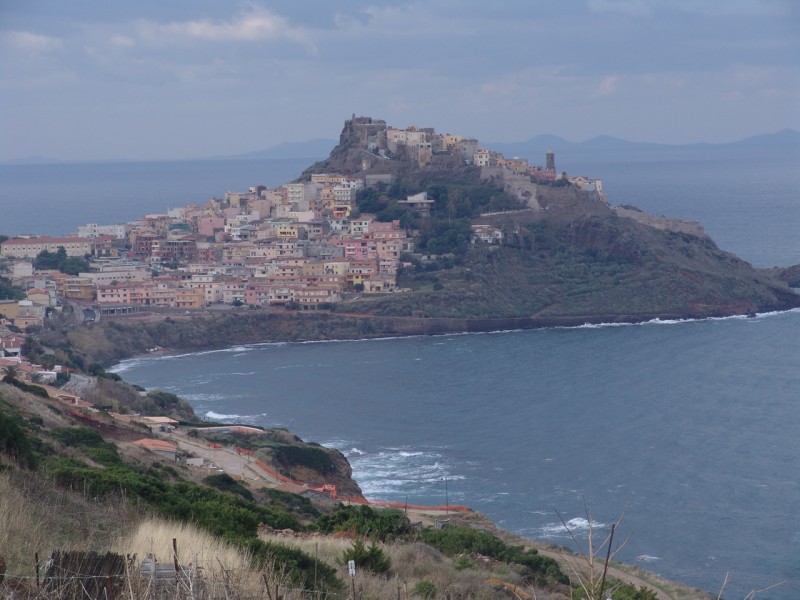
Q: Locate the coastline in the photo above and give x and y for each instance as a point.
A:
(121, 338)
(761, 315)
(412, 327)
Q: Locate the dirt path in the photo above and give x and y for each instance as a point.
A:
(227, 459)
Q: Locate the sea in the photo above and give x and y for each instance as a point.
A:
(687, 431)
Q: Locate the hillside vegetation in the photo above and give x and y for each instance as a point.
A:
(70, 482)
(563, 252)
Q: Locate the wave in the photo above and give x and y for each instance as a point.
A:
(646, 558)
(391, 472)
(220, 417)
(657, 321)
(131, 363)
(254, 419)
(576, 526)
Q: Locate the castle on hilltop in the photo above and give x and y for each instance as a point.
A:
(368, 145)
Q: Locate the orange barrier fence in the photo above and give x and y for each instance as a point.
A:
(441, 508)
(330, 490)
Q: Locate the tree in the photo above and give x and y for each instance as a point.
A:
(373, 558)
(9, 291)
(12, 371)
(589, 571)
(59, 261)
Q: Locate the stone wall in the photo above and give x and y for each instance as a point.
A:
(664, 223)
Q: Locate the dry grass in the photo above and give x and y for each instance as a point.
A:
(153, 537)
(35, 516)
(22, 532)
(411, 563)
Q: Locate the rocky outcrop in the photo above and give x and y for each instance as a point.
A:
(664, 223)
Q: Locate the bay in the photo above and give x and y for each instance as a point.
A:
(690, 428)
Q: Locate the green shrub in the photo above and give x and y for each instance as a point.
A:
(458, 540)
(78, 436)
(304, 456)
(304, 571)
(383, 525)
(226, 483)
(14, 442)
(372, 559)
(463, 562)
(424, 589)
(25, 387)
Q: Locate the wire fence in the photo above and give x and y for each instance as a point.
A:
(92, 576)
(96, 587)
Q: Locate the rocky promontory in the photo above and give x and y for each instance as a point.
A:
(503, 239)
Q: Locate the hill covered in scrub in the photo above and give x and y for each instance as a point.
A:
(559, 249)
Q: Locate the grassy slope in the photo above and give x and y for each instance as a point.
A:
(589, 266)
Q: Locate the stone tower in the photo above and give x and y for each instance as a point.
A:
(550, 164)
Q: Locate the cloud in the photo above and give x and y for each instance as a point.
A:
(32, 42)
(251, 25)
(606, 86)
(123, 41)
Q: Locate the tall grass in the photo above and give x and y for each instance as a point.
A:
(22, 532)
(153, 537)
(411, 562)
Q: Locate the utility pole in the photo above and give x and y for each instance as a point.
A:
(446, 499)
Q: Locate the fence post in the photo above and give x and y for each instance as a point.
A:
(36, 557)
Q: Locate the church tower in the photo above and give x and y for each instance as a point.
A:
(550, 165)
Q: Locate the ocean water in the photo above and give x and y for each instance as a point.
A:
(56, 199)
(689, 428)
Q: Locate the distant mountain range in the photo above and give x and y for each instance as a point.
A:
(534, 149)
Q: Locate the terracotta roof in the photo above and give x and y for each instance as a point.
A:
(154, 445)
(162, 420)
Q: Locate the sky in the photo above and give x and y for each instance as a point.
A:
(156, 79)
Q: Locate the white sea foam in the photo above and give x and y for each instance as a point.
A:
(647, 558)
(200, 397)
(576, 526)
(254, 419)
(220, 417)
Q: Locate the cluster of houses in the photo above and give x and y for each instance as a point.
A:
(301, 245)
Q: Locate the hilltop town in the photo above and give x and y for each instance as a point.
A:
(407, 223)
(304, 245)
